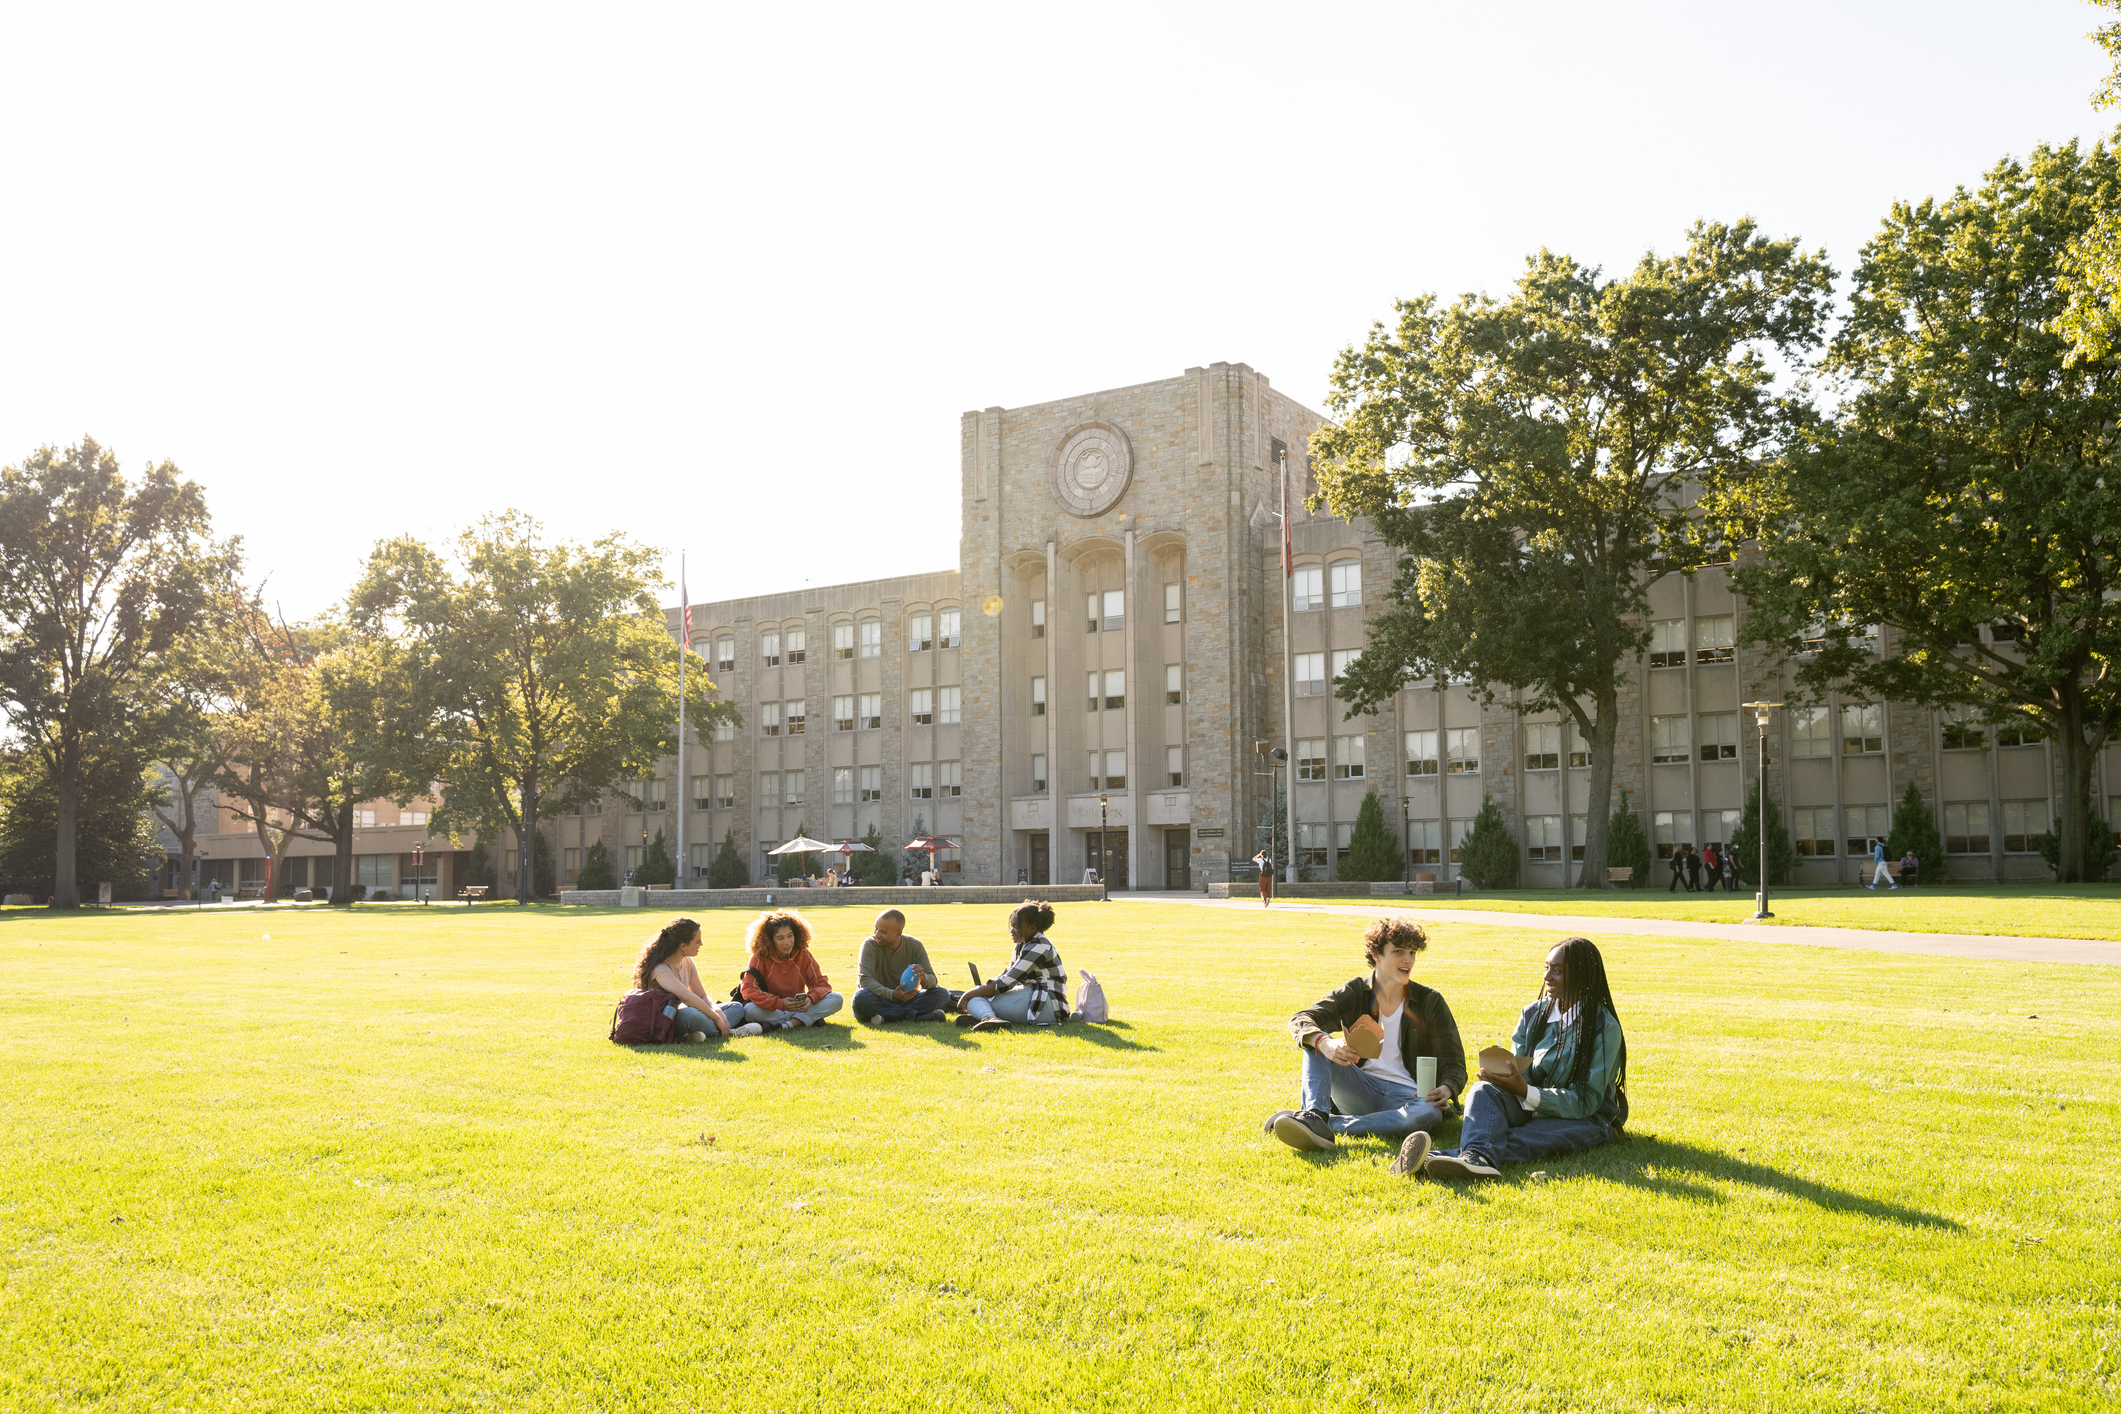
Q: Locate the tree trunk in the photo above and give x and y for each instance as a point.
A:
(342, 883)
(187, 856)
(1598, 801)
(66, 889)
(272, 858)
(2073, 833)
(526, 848)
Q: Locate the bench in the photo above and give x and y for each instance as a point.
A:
(1424, 883)
(1620, 874)
(472, 895)
(250, 891)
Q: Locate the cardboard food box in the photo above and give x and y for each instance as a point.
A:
(1498, 1060)
(1366, 1038)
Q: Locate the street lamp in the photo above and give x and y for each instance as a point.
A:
(1406, 844)
(1101, 841)
(419, 857)
(1761, 713)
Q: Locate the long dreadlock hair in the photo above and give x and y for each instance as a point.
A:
(1583, 986)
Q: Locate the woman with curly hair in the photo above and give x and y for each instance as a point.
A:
(783, 985)
(1568, 1090)
(666, 962)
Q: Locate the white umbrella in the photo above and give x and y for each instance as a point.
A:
(801, 844)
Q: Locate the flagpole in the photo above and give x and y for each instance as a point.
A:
(684, 784)
(1288, 659)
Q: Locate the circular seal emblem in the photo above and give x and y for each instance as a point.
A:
(1092, 468)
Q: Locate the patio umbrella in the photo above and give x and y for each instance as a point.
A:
(930, 843)
(846, 850)
(801, 844)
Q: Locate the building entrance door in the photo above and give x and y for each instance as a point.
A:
(1112, 868)
(1041, 860)
(1178, 860)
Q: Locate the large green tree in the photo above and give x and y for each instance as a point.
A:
(545, 673)
(1534, 459)
(115, 840)
(1960, 497)
(100, 578)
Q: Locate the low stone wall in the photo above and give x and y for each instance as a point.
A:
(678, 899)
(1329, 890)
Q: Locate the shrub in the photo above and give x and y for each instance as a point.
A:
(2101, 857)
(1626, 846)
(657, 867)
(1488, 854)
(727, 870)
(1745, 843)
(597, 872)
(1373, 850)
(874, 869)
(1915, 828)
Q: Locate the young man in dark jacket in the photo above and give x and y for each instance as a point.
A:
(1379, 1096)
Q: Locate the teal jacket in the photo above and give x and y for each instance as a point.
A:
(1552, 1049)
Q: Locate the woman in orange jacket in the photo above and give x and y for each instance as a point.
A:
(783, 985)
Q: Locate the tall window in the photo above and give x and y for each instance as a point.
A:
(920, 779)
(872, 784)
(1174, 603)
(1309, 587)
(921, 703)
(1542, 748)
(1862, 728)
(1672, 828)
(1090, 684)
(1579, 750)
(770, 648)
(948, 705)
(1038, 773)
(702, 792)
(1668, 643)
(1348, 761)
(724, 792)
(1038, 618)
(725, 654)
(702, 855)
(657, 792)
(1115, 687)
(1579, 832)
(1311, 845)
(1865, 823)
(1961, 729)
(769, 719)
(1668, 739)
(1966, 827)
(1719, 736)
(950, 778)
(1462, 751)
(843, 713)
(920, 632)
(2019, 731)
(769, 788)
(1713, 637)
(1115, 770)
(1811, 733)
(798, 715)
(1174, 765)
(571, 863)
(791, 787)
(1174, 684)
(1344, 582)
(1542, 838)
(1343, 838)
(2024, 822)
(1421, 755)
(869, 711)
(872, 637)
(1344, 659)
(1038, 697)
(1814, 829)
(1115, 610)
(1310, 675)
(1722, 824)
(843, 785)
(949, 628)
(798, 644)
(842, 641)
(1311, 759)
(1456, 833)
(1090, 603)
(1097, 766)
(1423, 842)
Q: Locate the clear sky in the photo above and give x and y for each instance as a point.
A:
(724, 276)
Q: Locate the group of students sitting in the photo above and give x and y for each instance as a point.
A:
(783, 988)
(1562, 1088)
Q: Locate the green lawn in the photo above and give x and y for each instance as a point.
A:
(2015, 910)
(387, 1160)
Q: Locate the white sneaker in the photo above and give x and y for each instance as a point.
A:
(1413, 1155)
(749, 1028)
(693, 1038)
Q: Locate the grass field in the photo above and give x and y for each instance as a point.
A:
(2012, 910)
(387, 1160)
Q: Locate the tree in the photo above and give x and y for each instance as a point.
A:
(1745, 842)
(1373, 850)
(1275, 827)
(726, 870)
(1960, 498)
(1533, 460)
(185, 805)
(545, 876)
(2091, 266)
(596, 868)
(1488, 854)
(873, 869)
(114, 832)
(656, 864)
(1627, 846)
(788, 866)
(546, 672)
(1915, 829)
(99, 580)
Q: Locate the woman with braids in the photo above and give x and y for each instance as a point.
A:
(1032, 989)
(783, 985)
(1568, 1090)
(666, 962)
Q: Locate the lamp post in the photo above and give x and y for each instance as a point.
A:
(1762, 712)
(1406, 843)
(419, 857)
(1101, 837)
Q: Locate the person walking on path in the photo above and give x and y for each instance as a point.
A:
(1266, 878)
(1679, 858)
(1693, 870)
(1880, 871)
(1712, 865)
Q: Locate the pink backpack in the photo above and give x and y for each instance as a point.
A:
(643, 1015)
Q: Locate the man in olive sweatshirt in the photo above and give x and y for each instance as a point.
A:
(879, 972)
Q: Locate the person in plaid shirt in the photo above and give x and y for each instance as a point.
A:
(1033, 988)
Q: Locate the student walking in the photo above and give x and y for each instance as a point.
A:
(1378, 1096)
(1266, 878)
(1032, 989)
(1879, 871)
(1679, 858)
(1693, 870)
(1712, 866)
(1568, 1090)
(882, 992)
(667, 962)
(784, 987)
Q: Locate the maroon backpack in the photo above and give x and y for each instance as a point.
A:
(643, 1015)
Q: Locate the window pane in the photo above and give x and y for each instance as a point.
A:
(1175, 765)
(1115, 770)
(1038, 618)
(1810, 732)
(1310, 675)
(1174, 603)
(950, 704)
(843, 785)
(920, 633)
(1668, 643)
(1038, 697)
(1115, 610)
(1311, 759)
(1174, 684)
(872, 783)
(843, 713)
(1713, 638)
(1421, 755)
(1115, 688)
(871, 714)
(950, 632)
(872, 631)
(843, 640)
(1348, 759)
(1347, 584)
(797, 716)
(1669, 739)
(798, 645)
(1309, 587)
(1038, 772)
(1542, 747)
(1462, 751)
(770, 649)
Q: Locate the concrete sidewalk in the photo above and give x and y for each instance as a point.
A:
(1982, 945)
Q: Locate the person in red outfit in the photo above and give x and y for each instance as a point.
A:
(783, 986)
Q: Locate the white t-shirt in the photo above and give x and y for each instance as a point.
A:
(1390, 1065)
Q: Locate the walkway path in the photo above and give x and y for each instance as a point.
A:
(1875, 939)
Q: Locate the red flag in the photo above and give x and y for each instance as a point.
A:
(1288, 546)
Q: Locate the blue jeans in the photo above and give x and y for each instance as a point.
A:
(1009, 1006)
(868, 1004)
(1369, 1104)
(820, 1009)
(693, 1019)
(1500, 1129)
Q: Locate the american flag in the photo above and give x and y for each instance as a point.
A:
(686, 595)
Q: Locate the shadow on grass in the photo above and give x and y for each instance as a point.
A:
(1103, 1035)
(703, 1051)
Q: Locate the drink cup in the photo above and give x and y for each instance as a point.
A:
(1425, 1073)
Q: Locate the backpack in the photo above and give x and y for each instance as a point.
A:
(1090, 1000)
(645, 1014)
(736, 993)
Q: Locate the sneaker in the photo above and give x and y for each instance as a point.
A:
(1460, 1166)
(1276, 1118)
(1413, 1155)
(693, 1038)
(749, 1028)
(1304, 1131)
(966, 1018)
(992, 1023)
(873, 1022)
(933, 1016)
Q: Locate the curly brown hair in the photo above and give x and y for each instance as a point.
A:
(759, 936)
(1389, 932)
(660, 948)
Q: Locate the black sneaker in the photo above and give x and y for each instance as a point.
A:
(966, 1018)
(1308, 1130)
(933, 1016)
(992, 1023)
(1460, 1166)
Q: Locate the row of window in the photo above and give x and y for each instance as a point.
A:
(1339, 585)
(1311, 678)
